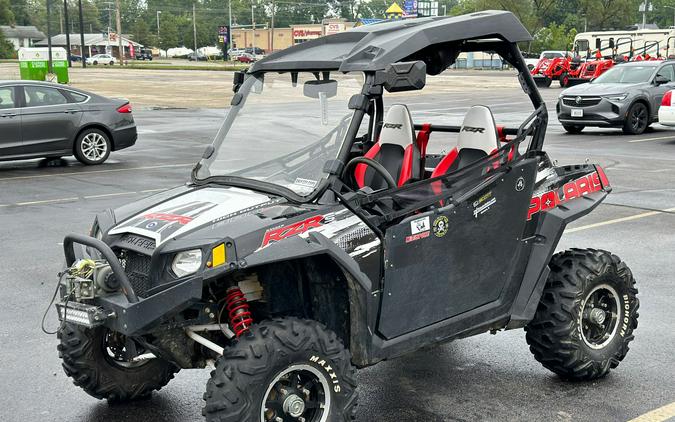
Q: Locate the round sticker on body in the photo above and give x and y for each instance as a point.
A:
(440, 226)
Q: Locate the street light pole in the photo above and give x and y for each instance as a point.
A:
(253, 25)
(229, 30)
(49, 34)
(159, 39)
(65, 17)
(84, 59)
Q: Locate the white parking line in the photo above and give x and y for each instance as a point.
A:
(651, 139)
(74, 198)
(84, 173)
(619, 220)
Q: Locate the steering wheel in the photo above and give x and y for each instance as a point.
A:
(379, 168)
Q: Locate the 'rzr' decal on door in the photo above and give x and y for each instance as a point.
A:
(571, 190)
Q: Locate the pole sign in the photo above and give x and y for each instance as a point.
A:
(223, 30)
(410, 9)
(132, 51)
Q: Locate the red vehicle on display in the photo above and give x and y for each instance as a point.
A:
(549, 69)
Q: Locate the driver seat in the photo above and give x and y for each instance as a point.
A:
(396, 150)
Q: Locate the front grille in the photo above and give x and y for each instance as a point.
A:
(581, 101)
(137, 268)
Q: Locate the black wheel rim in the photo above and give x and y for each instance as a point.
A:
(119, 350)
(300, 393)
(600, 316)
(638, 118)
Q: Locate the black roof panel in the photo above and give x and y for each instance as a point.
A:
(373, 47)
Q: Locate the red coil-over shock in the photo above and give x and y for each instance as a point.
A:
(238, 311)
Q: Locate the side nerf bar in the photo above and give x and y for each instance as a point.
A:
(68, 248)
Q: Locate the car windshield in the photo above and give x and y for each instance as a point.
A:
(626, 75)
(283, 132)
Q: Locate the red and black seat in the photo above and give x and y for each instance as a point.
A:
(478, 138)
(396, 151)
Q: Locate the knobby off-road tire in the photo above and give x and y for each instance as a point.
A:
(88, 363)
(566, 335)
(251, 372)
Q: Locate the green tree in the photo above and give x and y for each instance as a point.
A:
(6, 48)
(6, 15)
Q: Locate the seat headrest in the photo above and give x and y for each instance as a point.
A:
(398, 127)
(478, 131)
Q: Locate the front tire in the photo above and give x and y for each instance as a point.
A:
(284, 368)
(574, 129)
(586, 316)
(637, 119)
(92, 147)
(564, 80)
(93, 361)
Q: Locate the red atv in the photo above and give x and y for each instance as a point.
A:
(585, 72)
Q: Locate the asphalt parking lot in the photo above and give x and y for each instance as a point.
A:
(492, 378)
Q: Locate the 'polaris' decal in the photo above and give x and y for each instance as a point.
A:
(571, 190)
(281, 233)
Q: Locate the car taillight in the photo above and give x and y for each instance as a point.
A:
(666, 99)
(126, 108)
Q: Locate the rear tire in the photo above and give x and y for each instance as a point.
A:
(92, 147)
(637, 119)
(586, 316)
(573, 129)
(95, 62)
(87, 360)
(261, 373)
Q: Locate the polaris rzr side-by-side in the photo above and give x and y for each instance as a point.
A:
(319, 234)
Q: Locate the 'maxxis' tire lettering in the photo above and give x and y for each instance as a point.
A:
(329, 371)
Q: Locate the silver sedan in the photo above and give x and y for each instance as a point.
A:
(627, 96)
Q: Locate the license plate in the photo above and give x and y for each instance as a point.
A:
(577, 112)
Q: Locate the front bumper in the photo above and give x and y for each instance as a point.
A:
(605, 113)
(124, 312)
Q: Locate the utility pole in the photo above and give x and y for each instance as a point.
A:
(84, 59)
(65, 16)
(194, 26)
(118, 18)
(644, 14)
(159, 40)
(229, 30)
(49, 35)
(272, 31)
(253, 25)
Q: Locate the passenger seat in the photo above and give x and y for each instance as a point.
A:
(477, 139)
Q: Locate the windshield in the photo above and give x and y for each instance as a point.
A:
(626, 75)
(550, 55)
(283, 132)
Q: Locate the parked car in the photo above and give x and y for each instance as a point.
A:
(246, 58)
(196, 57)
(627, 96)
(101, 58)
(235, 52)
(143, 55)
(75, 58)
(667, 110)
(255, 50)
(40, 119)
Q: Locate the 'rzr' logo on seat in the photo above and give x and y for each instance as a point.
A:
(393, 126)
(473, 129)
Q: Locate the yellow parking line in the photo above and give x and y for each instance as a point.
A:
(84, 173)
(619, 220)
(657, 415)
(651, 139)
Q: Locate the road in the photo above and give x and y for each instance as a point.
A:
(491, 378)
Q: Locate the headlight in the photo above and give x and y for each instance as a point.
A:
(187, 262)
(619, 97)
